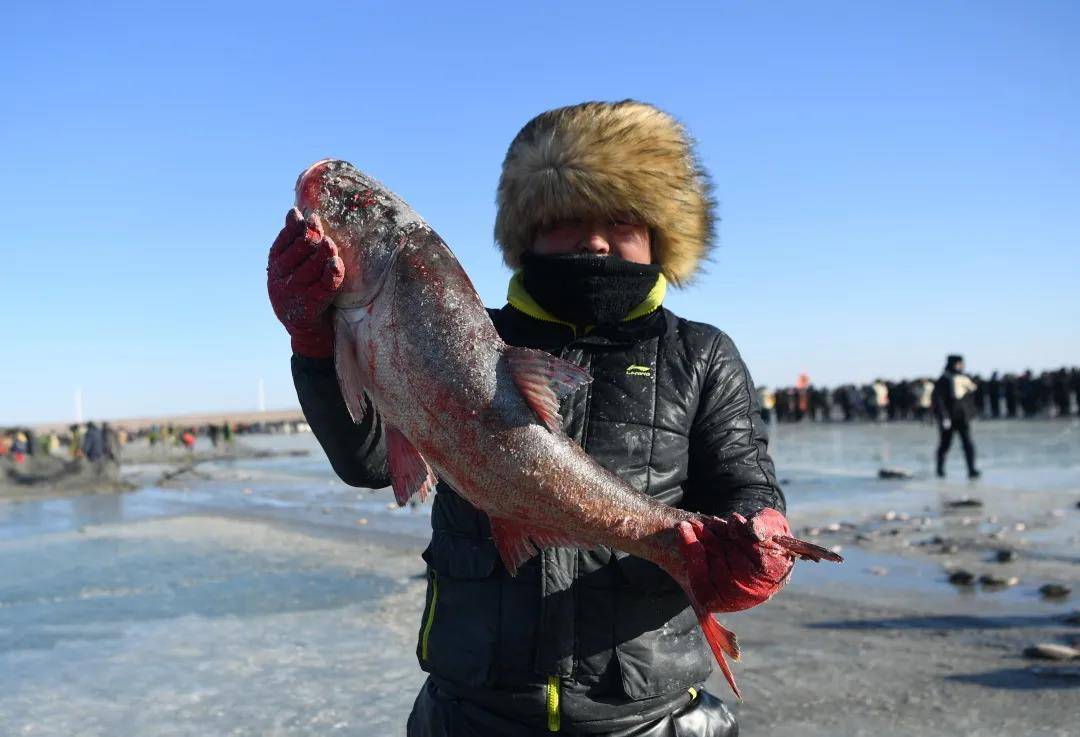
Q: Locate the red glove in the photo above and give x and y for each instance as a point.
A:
(735, 563)
(302, 277)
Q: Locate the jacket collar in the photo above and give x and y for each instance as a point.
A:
(521, 300)
(530, 325)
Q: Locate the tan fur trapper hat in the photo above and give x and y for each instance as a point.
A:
(604, 159)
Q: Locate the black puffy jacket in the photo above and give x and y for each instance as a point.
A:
(672, 410)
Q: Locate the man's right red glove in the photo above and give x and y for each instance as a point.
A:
(302, 277)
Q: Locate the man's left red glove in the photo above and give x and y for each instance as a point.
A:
(304, 274)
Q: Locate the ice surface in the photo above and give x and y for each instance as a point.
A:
(252, 603)
(197, 626)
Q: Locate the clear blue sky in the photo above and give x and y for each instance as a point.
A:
(896, 180)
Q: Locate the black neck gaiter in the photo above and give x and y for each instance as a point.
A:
(587, 290)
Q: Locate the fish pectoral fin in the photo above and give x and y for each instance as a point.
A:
(543, 380)
(517, 543)
(347, 366)
(409, 473)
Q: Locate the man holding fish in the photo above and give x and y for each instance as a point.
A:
(602, 470)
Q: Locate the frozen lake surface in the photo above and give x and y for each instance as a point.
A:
(822, 468)
(253, 602)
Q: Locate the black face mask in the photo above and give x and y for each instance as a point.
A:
(587, 290)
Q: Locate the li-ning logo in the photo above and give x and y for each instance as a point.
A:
(636, 370)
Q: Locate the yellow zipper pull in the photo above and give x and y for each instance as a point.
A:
(554, 719)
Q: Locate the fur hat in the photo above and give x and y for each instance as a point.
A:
(604, 159)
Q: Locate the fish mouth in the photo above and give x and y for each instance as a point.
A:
(313, 170)
(309, 184)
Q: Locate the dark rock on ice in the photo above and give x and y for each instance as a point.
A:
(965, 503)
(894, 473)
(961, 578)
(1055, 590)
(1005, 556)
(1051, 651)
(997, 582)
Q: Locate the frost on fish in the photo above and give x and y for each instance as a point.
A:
(414, 340)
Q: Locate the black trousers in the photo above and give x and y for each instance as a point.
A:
(963, 429)
(437, 714)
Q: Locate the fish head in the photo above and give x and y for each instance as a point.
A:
(363, 218)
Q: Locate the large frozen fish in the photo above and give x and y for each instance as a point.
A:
(458, 403)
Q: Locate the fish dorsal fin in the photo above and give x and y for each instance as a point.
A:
(543, 380)
(347, 366)
(409, 472)
(517, 543)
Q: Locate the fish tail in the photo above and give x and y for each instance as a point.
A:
(722, 641)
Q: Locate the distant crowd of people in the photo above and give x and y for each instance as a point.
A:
(91, 441)
(102, 442)
(1049, 394)
(169, 436)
